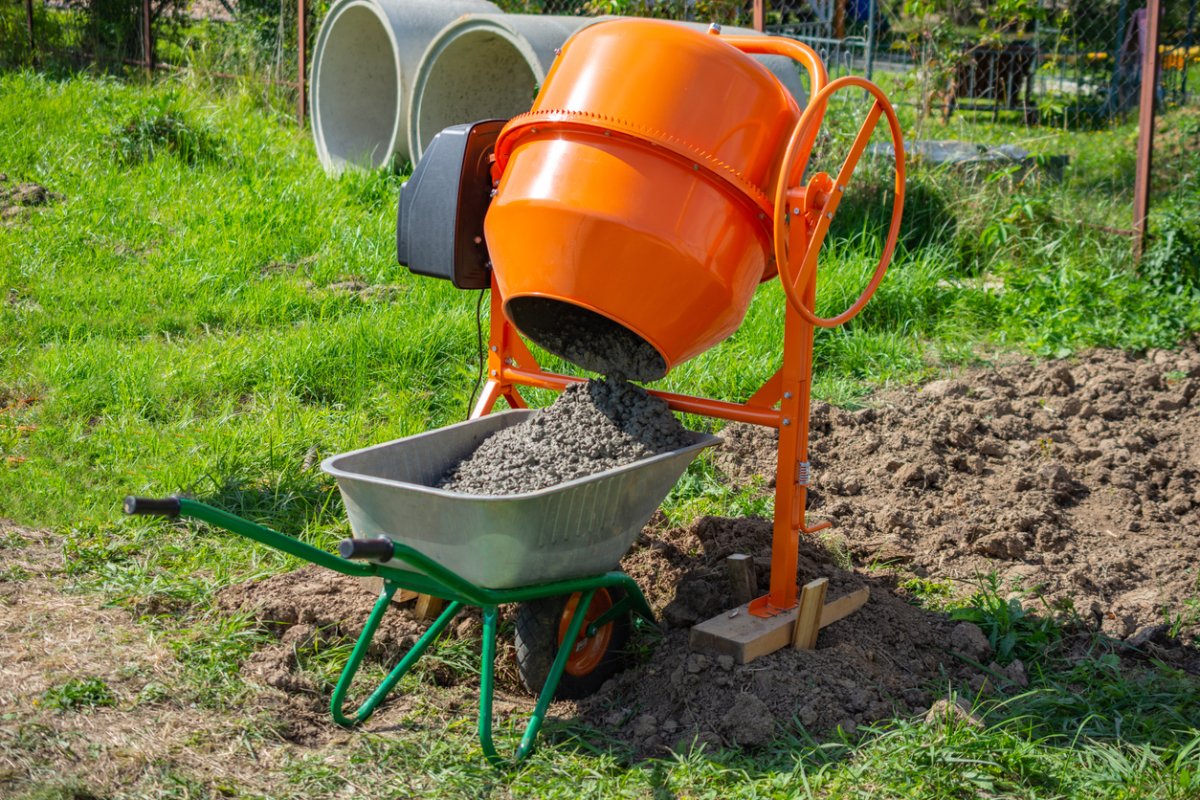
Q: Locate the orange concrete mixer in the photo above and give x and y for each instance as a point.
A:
(624, 222)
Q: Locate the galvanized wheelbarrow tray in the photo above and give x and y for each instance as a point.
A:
(473, 550)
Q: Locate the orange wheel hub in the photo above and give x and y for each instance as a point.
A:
(589, 650)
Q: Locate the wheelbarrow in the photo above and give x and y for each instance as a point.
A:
(554, 551)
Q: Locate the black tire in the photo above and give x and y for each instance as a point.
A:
(537, 624)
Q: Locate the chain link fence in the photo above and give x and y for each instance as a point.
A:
(1024, 89)
(1036, 61)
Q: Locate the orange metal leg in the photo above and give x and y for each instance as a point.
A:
(492, 391)
(791, 477)
(510, 364)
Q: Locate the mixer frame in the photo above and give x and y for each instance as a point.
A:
(802, 216)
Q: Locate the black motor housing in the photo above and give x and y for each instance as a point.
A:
(439, 225)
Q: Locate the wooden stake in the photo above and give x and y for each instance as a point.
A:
(808, 621)
(743, 582)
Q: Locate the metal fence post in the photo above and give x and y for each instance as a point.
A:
(1187, 51)
(760, 15)
(147, 40)
(301, 46)
(29, 25)
(1145, 144)
(871, 38)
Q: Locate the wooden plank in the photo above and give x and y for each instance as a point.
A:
(740, 634)
(375, 586)
(808, 621)
(743, 582)
(844, 606)
(428, 607)
(745, 637)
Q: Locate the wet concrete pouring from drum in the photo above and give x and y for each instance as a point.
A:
(590, 428)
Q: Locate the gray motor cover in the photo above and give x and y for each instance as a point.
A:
(442, 206)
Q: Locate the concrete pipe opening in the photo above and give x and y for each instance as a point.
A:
(475, 70)
(355, 94)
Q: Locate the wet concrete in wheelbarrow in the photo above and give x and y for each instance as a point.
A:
(591, 427)
(1074, 478)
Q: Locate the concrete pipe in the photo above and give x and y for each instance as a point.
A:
(364, 65)
(489, 66)
(484, 66)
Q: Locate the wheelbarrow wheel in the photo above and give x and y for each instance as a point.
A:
(541, 626)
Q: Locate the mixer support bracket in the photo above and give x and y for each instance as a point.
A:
(766, 623)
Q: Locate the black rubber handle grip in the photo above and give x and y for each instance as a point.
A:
(380, 549)
(152, 506)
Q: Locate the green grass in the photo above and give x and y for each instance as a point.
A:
(78, 693)
(181, 322)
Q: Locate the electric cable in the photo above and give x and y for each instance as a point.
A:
(479, 349)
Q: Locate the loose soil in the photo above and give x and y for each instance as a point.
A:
(591, 427)
(16, 199)
(1075, 478)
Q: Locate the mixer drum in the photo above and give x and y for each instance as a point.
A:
(631, 223)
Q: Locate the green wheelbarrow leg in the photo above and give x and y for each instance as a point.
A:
(360, 650)
(487, 688)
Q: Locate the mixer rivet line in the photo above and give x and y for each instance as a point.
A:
(493, 373)
(796, 211)
(787, 421)
(493, 348)
(787, 395)
(828, 215)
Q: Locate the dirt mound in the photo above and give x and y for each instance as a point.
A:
(885, 660)
(16, 199)
(591, 427)
(1076, 478)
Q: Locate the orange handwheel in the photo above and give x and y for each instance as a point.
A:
(589, 651)
(822, 195)
(541, 626)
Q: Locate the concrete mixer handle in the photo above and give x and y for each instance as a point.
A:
(799, 52)
(803, 214)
